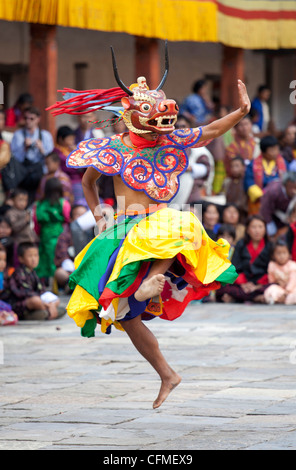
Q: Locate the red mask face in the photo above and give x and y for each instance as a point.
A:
(148, 111)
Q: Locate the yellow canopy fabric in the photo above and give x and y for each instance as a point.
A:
(257, 24)
(250, 24)
(175, 20)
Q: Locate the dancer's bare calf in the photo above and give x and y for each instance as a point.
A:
(147, 345)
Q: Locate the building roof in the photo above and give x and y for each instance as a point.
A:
(250, 24)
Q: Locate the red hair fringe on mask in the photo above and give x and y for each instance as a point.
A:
(86, 101)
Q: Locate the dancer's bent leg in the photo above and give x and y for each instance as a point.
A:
(147, 345)
(154, 283)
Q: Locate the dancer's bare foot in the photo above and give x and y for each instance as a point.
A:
(150, 287)
(166, 387)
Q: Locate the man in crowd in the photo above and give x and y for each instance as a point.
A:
(244, 144)
(269, 166)
(275, 202)
(29, 146)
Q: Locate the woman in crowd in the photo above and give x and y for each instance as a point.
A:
(210, 219)
(231, 216)
(251, 258)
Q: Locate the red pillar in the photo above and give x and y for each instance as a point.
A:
(147, 61)
(233, 68)
(43, 71)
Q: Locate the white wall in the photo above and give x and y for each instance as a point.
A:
(282, 75)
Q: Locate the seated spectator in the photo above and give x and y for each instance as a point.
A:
(217, 149)
(7, 204)
(29, 146)
(288, 144)
(15, 115)
(116, 126)
(53, 165)
(65, 250)
(291, 232)
(51, 214)
(281, 276)
(250, 258)
(86, 129)
(254, 119)
(197, 180)
(234, 186)
(64, 146)
(25, 292)
(275, 202)
(244, 144)
(231, 216)
(197, 106)
(65, 143)
(7, 315)
(210, 219)
(269, 166)
(227, 232)
(6, 240)
(20, 218)
(84, 227)
(260, 104)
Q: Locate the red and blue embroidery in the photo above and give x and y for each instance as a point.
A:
(155, 171)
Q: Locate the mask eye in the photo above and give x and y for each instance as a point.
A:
(145, 107)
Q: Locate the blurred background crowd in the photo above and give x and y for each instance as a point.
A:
(244, 181)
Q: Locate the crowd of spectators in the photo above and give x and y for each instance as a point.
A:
(252, 199)
(44, 218)
(244, 181)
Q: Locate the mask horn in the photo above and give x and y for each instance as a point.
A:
(120, 83)
(166, 68)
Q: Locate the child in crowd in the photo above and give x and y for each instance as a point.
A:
(53, 165)
(234, 186)
(227, 232)
(25, 291)
(250, 258)
(20, 218)
(231, 216)
(281, 276)
(65, 145)
(65, 251)
(7, 316)
(6, 239)
(50, 216)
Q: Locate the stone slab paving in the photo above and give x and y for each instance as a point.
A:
(59, 391)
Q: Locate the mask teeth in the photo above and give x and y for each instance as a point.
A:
(172, 120)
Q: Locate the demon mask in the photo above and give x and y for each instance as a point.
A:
(147, 111)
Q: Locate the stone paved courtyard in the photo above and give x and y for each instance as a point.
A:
(238, 363)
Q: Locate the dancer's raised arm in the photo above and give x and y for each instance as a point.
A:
(220, 126)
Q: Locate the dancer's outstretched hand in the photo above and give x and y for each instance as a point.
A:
(244, 100)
